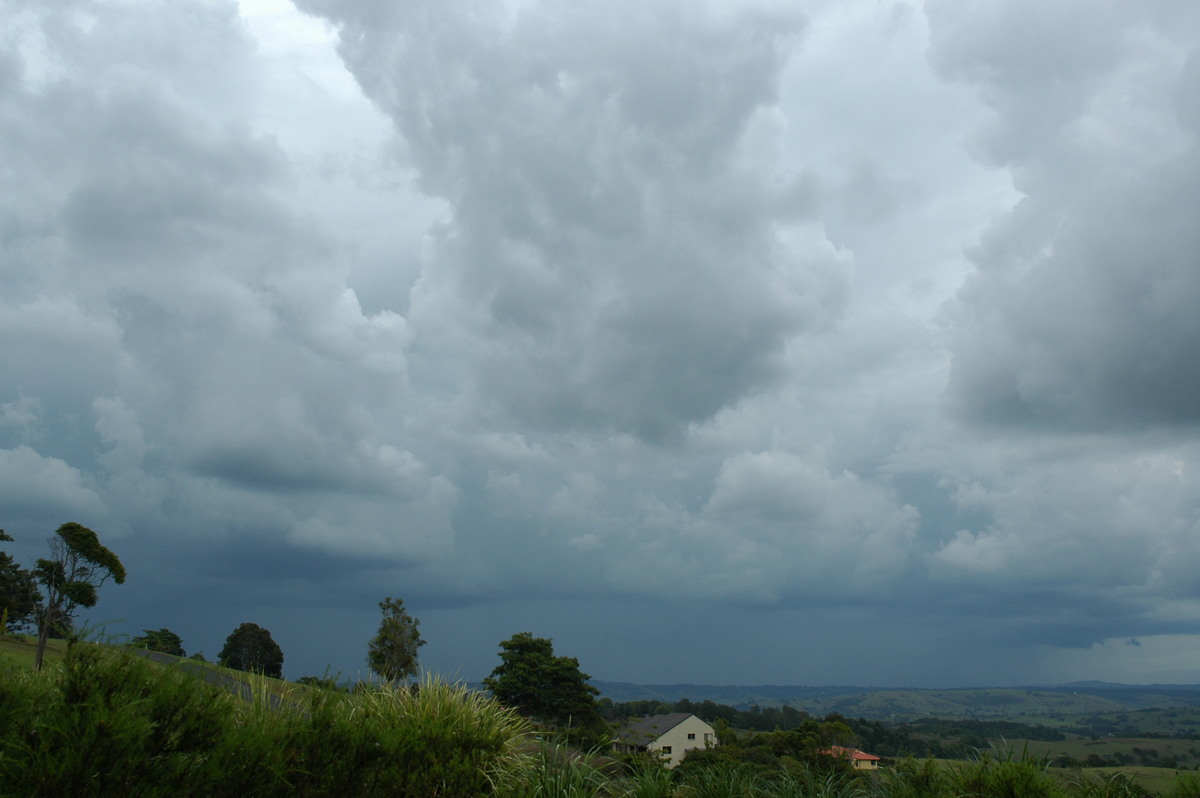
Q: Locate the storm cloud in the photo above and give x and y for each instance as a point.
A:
(720, 341)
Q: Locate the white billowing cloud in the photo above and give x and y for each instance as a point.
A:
(422, 532)
(625, 250)
(775, 526)
(31, 483)
(20, 414)
(1106, 520)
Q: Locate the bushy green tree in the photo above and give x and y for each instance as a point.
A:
(250, 648)
(18, 592)
(392, 653)
(540, 685)
(163, 640)
(77, 566)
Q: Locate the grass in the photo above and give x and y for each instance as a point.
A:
(103, 721)
(100, 721)
(19, 650)
(1126, 752)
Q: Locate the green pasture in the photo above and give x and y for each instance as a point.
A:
(19, 650)
(1022, 705)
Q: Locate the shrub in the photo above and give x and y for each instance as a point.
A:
(104, 724)
(112, 723)
(553, 769)
(1004, 775)
(1187, 785)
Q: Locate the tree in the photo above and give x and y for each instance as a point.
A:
(76, 568)
(164, 640)
(18, 592)
(539, 685)
(392, 653)
(250, 648)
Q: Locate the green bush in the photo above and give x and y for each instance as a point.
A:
(1187, 785)
(112, 723)
(555, 771)
(1005, 775)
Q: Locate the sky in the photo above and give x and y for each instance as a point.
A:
(720, 341)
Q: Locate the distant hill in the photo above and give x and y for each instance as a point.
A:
(1079, 698)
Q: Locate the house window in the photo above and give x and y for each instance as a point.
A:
(666, 749)
(691, 736)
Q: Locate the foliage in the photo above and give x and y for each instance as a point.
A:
(99, 724)
(19, 596)
(251, 648)
(105, 722)
(164, 641)
(804, 746)
(1005, 775)
(725, 782)
(392, 653)
(540, 685)
(555, 770)
(1186, 786)
(1116, 785)
(910, 778)
(921, 738)
(77, 566)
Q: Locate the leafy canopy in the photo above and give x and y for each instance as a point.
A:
(392, 653)
(163, 640)
(19, 595)
(538, 684)
(71, 577)
(250, 648)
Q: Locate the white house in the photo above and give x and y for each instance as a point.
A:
(670, 736)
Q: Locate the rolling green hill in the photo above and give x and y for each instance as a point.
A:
(1057, 706)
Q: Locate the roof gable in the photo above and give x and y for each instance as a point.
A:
(849, 753)
(646, 730)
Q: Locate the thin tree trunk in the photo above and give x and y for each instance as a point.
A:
(43, 636)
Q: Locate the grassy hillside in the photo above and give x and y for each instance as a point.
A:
(19, 650)
(1057, 706)
(104, 721)
(984, 703)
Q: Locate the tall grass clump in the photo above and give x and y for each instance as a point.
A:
(651, 781)
(553, 770)
(435, 739)
(1187, 785)
(1115, 785)
(107, 723)
(1004, 774)
(910, 778)
(724, 782)
(842, 783)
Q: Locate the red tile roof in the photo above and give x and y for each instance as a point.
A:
(850, 753)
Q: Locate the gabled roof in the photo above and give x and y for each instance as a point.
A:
(644, 731)
(850, 753)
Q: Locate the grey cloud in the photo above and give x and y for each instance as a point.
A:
(616, 256)
(183, 329)
(666, 366)
(1080, 313)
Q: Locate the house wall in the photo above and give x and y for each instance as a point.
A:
(677, 739)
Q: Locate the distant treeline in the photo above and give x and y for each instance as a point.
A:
(926, 737)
